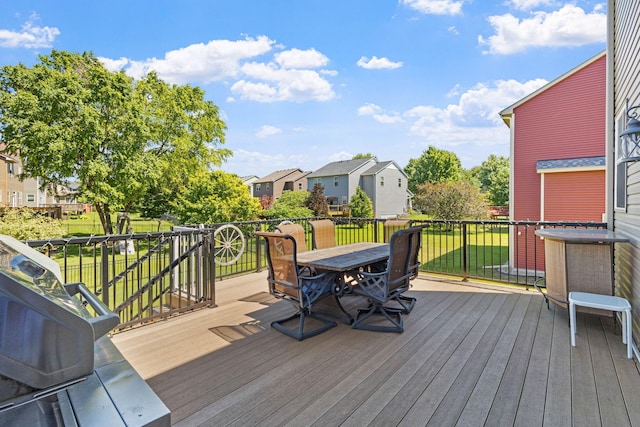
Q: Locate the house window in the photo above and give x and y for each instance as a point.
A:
(344, 200)
(382, 181)
(316, 180)
(258, 187)
(299, 186)
(620, 177)
(10, 168)
(31, 197)
(399, 182)
(335, 181)
(267, 186)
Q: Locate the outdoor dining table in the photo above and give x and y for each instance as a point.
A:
(344, 260)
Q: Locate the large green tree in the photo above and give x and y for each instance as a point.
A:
(213, 197)
(69, 118)
(434, 165)
(493, 175)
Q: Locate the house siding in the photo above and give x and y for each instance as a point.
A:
(544, 128)
(624, 33)
(574, 196)
(394, 197)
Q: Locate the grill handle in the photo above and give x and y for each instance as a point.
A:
(106, 320)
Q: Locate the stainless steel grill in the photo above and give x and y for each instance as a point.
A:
(57, 364)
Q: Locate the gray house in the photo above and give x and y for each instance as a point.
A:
(384, 182)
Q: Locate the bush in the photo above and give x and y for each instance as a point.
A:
(26, 224)
(451, 201)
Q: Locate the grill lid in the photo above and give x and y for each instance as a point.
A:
(46, 334)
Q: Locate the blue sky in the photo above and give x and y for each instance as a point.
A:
(301, 83)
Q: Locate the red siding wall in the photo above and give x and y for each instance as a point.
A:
(574, 196)
(565, 121)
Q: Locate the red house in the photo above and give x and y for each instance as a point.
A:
(558, 142)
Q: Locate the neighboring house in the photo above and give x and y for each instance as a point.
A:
(272, 185)
(623, 183)
(248, 181)
(28, 192)
(14, 192)
(558, 152)
(384, 182)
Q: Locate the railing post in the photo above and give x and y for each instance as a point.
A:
(258, 254)
(464, 252)
(105, 272)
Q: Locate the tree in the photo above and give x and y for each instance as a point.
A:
(434, 165)
(451, 200)
(360, 205)
(291, 204)
(213, 197)
(317, 202)
(363, 156)
(493, 175)
(68, 117)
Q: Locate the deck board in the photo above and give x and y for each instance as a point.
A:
(470, 355)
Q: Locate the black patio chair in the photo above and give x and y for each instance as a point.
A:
(287, 282)
(382, 287)
(407, 303)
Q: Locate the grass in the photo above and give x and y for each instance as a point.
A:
(89, 224)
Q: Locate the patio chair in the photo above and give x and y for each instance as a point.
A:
(296, 231)
(323, 234)
(392, 225)
(286, 282)
(407, 303)
(382, 287)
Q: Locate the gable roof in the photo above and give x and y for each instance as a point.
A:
(278, 175)
(343, 167)
(508, 112)
(380, 166)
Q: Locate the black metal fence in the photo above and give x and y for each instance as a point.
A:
(145, 276)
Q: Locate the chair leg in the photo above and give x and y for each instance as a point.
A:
(393, 316)
(572, 322)
(300, 333)
(407, 303)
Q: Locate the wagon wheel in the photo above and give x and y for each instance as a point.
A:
(228, 244)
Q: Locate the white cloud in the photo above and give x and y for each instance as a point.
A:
(435, 7)
(279, 84)
(268, 130)
(200, 62)
(30, 36)
(289, 77)
(473, 121)
(568, 26)
(453, 30)
(378, 63)
(378, 114)
(342, 155)
(529, 4)
(296, 58)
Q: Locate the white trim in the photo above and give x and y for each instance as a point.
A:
(541, 197)
(571, 169)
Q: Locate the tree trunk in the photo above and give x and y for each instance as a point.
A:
(105, 217)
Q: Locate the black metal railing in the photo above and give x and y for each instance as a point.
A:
(144, 276)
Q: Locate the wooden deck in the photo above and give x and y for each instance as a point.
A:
(470, 355)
